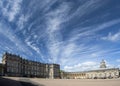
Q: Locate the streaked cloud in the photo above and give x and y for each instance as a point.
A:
(91, 31)
(112, 37)
(11, 41)
(118, 60)
(22, 21)
(89, 65)
(11, 8)
(71, 33)
(54, 21)
(86, 8)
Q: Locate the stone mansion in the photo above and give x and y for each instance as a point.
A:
(14, 65)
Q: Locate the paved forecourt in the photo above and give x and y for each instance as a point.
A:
(70, 82)
(78, 82)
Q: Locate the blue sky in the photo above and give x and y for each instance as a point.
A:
(77, 34)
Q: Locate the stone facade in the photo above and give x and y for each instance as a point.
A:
(17, 66)
(1, 69)
(14, 65)
(101, 73)
(54, 71)
(73, 75)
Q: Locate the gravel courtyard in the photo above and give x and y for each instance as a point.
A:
(78, 82)
(68, 82)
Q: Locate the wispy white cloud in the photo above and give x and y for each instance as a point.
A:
(34, 47)
(85, 8)
(22, 21)
(17, 44)
(84, 66)
(107, 24)
(118, 60)
(119, 66)
(11, 9)
(112, 37)
(54, 21)
(56, 17)
(69, 50)
(46, 26)
(47, 4)
(54, 24)
(90, 32)
(87, 65)
(74, 54)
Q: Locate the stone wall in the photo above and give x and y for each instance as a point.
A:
(93, 74)
(16, 66)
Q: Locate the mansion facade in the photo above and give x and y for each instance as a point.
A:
(14, 65)
(102, 73)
